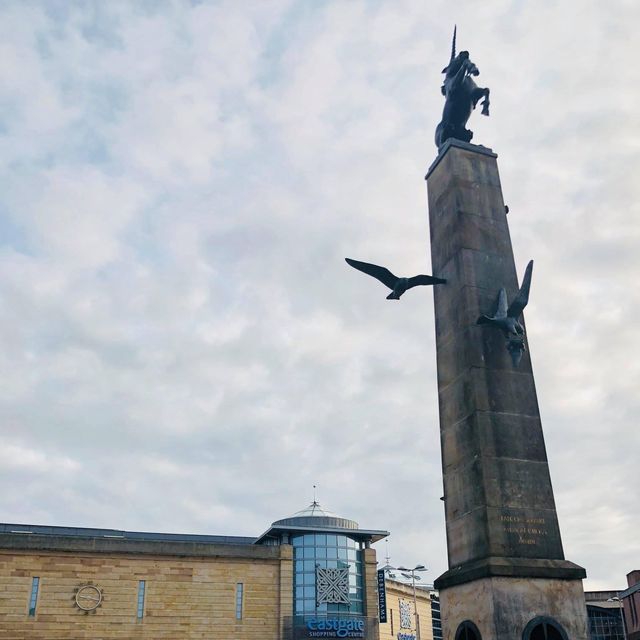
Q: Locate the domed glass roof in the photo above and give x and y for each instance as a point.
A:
(315, 516)
(314, 510)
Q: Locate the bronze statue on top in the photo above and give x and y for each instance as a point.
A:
(461, 96)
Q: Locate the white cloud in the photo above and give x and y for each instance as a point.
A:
(15, 458)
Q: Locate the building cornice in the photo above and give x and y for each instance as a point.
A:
(106, 545)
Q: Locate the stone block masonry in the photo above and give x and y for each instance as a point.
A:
(501, 522)
(186, 596)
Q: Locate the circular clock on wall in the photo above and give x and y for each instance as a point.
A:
(88, 598)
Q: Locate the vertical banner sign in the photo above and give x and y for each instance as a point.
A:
(382, 596)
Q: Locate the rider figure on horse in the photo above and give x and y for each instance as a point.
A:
(461, 96)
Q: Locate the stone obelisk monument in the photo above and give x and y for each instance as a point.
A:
(508, 577)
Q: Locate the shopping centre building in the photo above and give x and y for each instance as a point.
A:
(312, 575)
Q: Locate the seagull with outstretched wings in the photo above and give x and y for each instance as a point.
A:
(397, 285)
(506, 317)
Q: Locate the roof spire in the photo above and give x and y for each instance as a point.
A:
(387, 567)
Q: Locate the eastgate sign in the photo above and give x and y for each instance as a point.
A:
(335, 628)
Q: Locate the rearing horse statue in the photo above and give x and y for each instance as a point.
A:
(461, 96)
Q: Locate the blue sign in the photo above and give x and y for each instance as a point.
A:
(335, 627)
(382, 596)
(406, 636)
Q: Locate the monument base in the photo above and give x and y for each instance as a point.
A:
(511, 608)
(510, 568)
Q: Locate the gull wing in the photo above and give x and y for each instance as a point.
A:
(422, 279)
(379, 273)
(520, 301)
(501, 311)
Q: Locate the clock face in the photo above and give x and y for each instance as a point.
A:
(88, 597)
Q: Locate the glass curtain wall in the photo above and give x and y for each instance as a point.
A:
(326, 551)
(605, 624)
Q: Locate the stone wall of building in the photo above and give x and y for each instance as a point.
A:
(185, 597)
(398, 592)
(88, 583)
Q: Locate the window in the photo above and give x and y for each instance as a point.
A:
(468, 631)
(545, 632)
(605, 624)
(141, 590)
(35, 583)
(436, 621)
(543, 628)
(239, 591)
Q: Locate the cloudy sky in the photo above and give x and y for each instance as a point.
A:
(184, 349)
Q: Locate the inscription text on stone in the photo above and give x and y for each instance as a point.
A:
(528, 530)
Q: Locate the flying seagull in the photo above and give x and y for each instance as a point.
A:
(506, 318)
(397, 285)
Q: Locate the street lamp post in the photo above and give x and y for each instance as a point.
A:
(619, 601)
(411, 573)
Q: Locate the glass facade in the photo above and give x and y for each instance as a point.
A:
(326, 551)
(605, 624)
(436, 620)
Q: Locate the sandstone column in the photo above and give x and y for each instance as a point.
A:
(506, 563)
